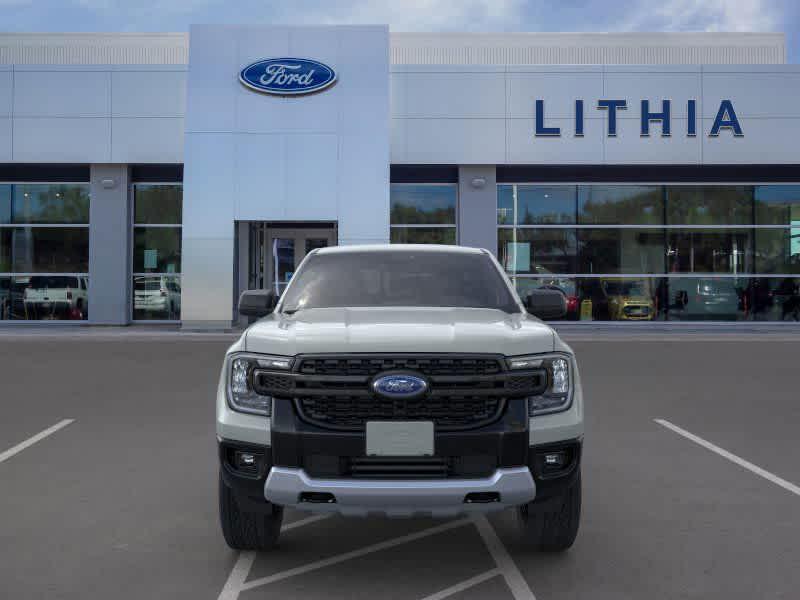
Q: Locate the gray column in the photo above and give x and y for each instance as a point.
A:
(109, 245)
(477, 207)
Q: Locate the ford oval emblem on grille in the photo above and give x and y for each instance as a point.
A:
(399, 385)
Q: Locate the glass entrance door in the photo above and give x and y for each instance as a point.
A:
(277, 250)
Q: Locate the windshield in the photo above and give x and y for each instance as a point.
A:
(401, 278)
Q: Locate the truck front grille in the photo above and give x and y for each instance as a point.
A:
(427, 365)
(465, 391)
(447, 413)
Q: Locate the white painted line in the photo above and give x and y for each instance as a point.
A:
(238, 575)
(731, 457)
(516, 582)
(244, 563)
(306, 521)
(464, 585)
(33, 439)
(327, 562)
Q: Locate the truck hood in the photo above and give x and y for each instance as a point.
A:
(340, 330)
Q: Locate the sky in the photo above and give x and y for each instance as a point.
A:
(414, 15)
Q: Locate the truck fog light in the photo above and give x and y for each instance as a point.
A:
(555, 459)
(245, 459)
(247, 462)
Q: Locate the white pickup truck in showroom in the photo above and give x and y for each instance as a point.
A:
(400, 380)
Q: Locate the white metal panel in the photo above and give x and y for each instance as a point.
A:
(6, 95)
(587, 48)
(629, 148)
(524, 147)
(311, 177)
(398, 88)
(363, 188)
(148, 93)
(314, 113)
(425, 48)
(147, 140)
(207, 279)
(364, 82)
(319, 156)
(5, 139)
(453, 95)
(455, 141)
(211, 89)
(78, 140)
(765, 141)
(62, 93)
(397, 142)
(208, 185)
(656, 85)
(260, 177)
(93, 48)
(559, 91)
(753, 94)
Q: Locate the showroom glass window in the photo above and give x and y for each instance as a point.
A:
(156, 286)
(644, 252)
(423, 213)
(44, 251)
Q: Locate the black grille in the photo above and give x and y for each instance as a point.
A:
(346, 412)
(430, 366)
(399, 468)
(276, 383)
(335, 392)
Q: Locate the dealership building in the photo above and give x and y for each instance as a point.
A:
(153, 177)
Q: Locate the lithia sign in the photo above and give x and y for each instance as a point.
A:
(725, 120)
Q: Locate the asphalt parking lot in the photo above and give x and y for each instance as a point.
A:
(690, 483)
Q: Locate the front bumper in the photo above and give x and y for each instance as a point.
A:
(400, 498)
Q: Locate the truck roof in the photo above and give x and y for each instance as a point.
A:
(400, 248)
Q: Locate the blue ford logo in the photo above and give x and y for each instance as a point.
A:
(399, 386)
(287, 76)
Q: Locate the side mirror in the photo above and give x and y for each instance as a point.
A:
(257, 303)
(546, 304)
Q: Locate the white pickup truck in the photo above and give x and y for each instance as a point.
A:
(56, 296)
(400, 380)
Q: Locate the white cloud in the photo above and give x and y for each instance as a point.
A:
(416, 15)
(704, 15)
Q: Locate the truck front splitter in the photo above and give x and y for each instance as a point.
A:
(400, 498)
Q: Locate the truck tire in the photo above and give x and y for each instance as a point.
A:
(248, 530)
(552, 525)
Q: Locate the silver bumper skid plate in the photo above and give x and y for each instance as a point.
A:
(400, 498)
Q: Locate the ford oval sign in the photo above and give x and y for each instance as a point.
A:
(287, 76)
(399, 386)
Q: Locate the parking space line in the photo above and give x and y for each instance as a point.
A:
(33, 439)
(240, 571)
(731, 457)
(508, 568)
(464, 585)
(333, 560)
(306, 521)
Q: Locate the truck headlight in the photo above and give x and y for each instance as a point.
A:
(558, 395)
(241, 395)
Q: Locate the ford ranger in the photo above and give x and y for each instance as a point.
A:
(400, 380)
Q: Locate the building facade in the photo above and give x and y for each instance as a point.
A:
(153, 177)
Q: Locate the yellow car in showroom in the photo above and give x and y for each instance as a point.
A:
(628, 299)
